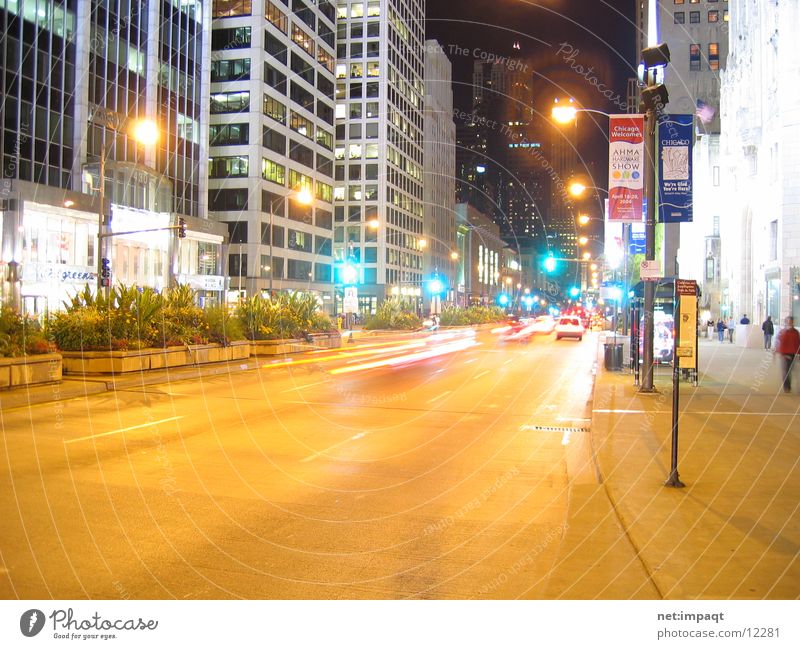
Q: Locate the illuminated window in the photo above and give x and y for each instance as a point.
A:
(303, 40)
(273, 171)
(325, 59)
(354, 151)
(713, 16)
(324, 192)
(374, 9)
(325, 139)
(341, 111)
(694, 57)
(356, 70)
(341, 71)
(373, 69)
(225, 8)
(274, 109)
(301, 125)
(357, 10)
(275, 16)
(713, 56)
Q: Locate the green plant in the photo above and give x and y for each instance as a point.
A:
(223, 327)
(452, 316)
(393, 314)
(21, 335)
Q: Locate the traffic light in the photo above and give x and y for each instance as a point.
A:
(349, 273)
(574, 291)
(435, 286)
(550, 263)
(502, 299)
(181, 228)
(105, 272)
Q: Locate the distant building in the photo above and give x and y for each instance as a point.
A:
(439, 187)
(378, 194)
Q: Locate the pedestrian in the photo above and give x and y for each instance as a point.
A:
(787, 346)
(731, 329)
(744, 320)
(721, 330)
(769, 329)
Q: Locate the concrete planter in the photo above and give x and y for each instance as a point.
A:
(282, 347)
(152, 359)
(30, 370)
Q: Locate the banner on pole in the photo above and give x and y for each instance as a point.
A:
(625, 167)
(686, 345)
(675, 169)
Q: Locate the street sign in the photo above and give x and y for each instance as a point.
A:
(650, 269)
(684, 352)
(350, 302)
(686, 318)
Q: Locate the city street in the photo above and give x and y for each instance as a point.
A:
(439, 476)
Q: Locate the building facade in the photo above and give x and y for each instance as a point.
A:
(77, 75)
(378, 190)
(440, 256)
(760, 159)
(271, 142)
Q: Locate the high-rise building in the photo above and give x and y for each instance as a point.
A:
(501, 148)
(271, 138)
(439, 187)
(77, 75)
(561, 235)
(378, 191)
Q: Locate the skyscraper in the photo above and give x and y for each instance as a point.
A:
(76, 76)
(378, 192)
(271, 138)
(439, 227)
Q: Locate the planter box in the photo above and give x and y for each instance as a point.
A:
(152, 359)
(30, 370)
(282, 347)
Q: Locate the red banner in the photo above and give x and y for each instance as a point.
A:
(626, 168)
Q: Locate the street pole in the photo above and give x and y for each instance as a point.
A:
(271, 239)
(101, 217)
(650, 249)
(240, 273)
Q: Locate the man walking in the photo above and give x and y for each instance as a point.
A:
(787, 346)
(721, 329)
(769, 330)
(731, 328)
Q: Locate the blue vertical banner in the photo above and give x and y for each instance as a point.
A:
(637, 243)
(675, 139)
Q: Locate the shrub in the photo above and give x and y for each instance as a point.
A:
(21, 335)
(223, 327)
(452, 316)
(393, 314)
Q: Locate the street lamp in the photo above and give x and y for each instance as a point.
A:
(302, 196)
(145, 132)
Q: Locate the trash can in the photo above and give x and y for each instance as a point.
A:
(613, 356)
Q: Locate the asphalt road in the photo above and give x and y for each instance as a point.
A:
(437, 476)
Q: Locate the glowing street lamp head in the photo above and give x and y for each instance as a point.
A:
(423, 243)
(145, 131)
(304, 196)
(577, 189)
(583, 240)
(583, 219)
(564, 114)
(454, 256)
(587, 256)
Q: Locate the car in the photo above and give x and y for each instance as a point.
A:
(569, 327)
(517, 329)
(544, 324)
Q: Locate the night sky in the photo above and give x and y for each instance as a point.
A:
(598, 34)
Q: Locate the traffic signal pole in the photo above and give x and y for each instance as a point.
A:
(650, 252)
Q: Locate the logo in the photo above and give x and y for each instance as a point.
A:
(31, 622)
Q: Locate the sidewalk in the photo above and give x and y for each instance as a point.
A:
(734, 530)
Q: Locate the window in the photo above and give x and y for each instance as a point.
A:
(356, 70)
(298, 270)
(725, 17)
(341, 111)
(226, 134)
(679, 2)
(357, 10)
(298, 180)
(302, 97)
(324, 112)
(715, 226)
(299, 212)
(371, 255)
(303, 69)
(322, 272)
(304, 13)
(300, 153)
(275, 47)
(713, 56)
(304, 40)
(694, 17)
(713, 16)
(372, 151)
(694, 57)
(773, 240)
(274, 78)
(237, 231)
(300, 241)
(237, 265)
(374, 9)
(301, 125)
(356, 30)
(356, 50)
(325, 86)
(275, 15)
(273, 171)
(273, 203)
(274, 141)
(227, 199)
(230, 102)
(225, 8)
(274, 109)
(324, 192)
(228, 167)
(355, 110)
(230, 39)
(373, 69)
(373, 29)
(325, 60)
(372, 109)
(372, 90)
(371, 130)
(230, 70)
(680, 17)
(354, 151)
(325, 165)
(324, 219)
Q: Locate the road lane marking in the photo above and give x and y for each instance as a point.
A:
(477, 376)
(471, 360)
(333, 446)
(443, 394)
(738, 413)
(123, 430)
(508, 361)
(303, 387)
